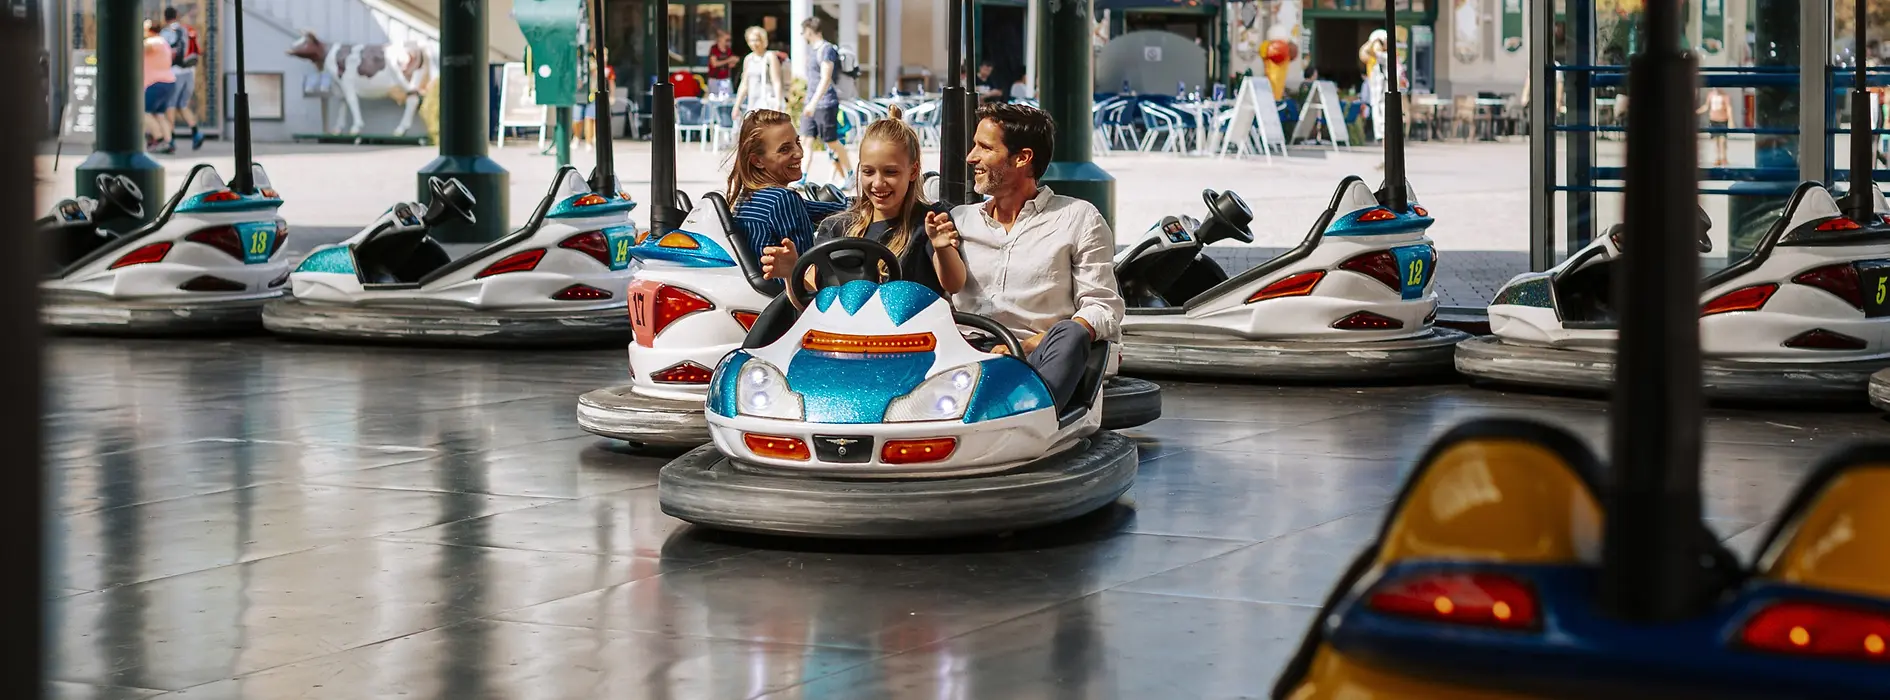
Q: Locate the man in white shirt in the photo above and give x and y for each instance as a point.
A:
(1040, 263)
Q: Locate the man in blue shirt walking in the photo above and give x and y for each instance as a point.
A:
(820, 119)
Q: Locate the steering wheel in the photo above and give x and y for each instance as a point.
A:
(450, 198)
(997, 330)
(1230, 209)
(120, 193)
(839, 261)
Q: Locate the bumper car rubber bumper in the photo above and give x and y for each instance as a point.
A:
(443, 325)
(1291, 360)
(706, 488)
(617, 412)
(1880, 389)
(1490, 359)
(94, 314)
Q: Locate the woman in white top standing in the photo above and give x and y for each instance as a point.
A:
(761, 86)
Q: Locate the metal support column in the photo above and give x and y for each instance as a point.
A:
(1580, 227)
(1814, 91)
(1068, 92)
(464, 85)
(23, 517)
(119, 148)
(561, 134)
(1542, 135)
(1778, 26)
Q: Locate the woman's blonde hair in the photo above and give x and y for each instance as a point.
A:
(751, 34)
(743, 175)
(893, 128)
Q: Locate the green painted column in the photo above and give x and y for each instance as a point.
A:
(1067, 91)
(119, 148)
(464, 101)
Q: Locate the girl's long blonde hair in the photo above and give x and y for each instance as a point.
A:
(743, 176)
(893, 128)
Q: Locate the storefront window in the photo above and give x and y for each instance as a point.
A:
(1368, 5)
(711, 19)
(202, 15)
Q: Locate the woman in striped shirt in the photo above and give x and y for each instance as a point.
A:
(777, 222)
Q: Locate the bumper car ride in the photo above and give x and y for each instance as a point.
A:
(206, 263)
(1353, 301)
(1799, 320)
(556, 282)
(870, 416)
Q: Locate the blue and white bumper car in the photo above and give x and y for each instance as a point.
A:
(207, 262)
(864, 413)
(558, 281)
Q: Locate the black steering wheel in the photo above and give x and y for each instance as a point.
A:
(997, 330)
(121, 194)
(1228, 208)
(450, 198)
(836, 262)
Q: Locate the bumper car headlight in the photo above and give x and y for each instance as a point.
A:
(762, 391)
(943, 397)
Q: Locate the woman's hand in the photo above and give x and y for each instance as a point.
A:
(940, 229)
(778, 261)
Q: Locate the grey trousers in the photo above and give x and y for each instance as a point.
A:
(1061, 358)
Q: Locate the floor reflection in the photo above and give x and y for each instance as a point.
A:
(255, 519)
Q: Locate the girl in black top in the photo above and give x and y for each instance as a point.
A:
(888, 210)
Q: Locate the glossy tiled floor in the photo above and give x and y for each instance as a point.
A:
(256, 519)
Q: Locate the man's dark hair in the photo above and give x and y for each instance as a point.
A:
(170, 14)
(1024, 127)
(811, 24)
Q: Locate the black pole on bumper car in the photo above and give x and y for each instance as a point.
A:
(244, 180)
(1652, 552)
(664, 217)
(953, 141)
(1395, 192)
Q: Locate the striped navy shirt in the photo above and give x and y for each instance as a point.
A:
(770, 214)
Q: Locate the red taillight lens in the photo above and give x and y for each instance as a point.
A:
(282, 235)
(1367, 321)
(776, 447)
(822, 341)
(1839, 224)
(1819, 629)
(1296, 286)
(1380, 214)
(1821, 339)
(1743, 299)
(917, 451)
(1420, 211)
(148, 254)
(581, 292)
(207, 283)
(222, 238)
(684, 372)
(522, 261)
(592, 243)
(1487, 600)
(1836, 279)
(1381, 266)
(673, 303)
(589, 200)
(746, 318)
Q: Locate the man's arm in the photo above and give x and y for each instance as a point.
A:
(826, 79)
(1093, 272)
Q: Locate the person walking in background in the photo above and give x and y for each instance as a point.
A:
(185, 54)
(587, 112)
(159, 82)
(1718, 111)
(722, 61)
(820, 118)
(761, 86)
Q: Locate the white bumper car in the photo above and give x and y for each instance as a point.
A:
(207, 262)
(556, 282)
(1353, 301)
(1803, 318)
(864, 413)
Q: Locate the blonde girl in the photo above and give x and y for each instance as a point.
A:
(761, 86)
(888, 209)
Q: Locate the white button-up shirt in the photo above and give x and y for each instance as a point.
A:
(1056, 262)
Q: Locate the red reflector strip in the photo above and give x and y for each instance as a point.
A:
(746, 318)
(523, 261)
(148, 254)
(684, 372)
(207, 283)
(589, 200)
(822, 341)
(222, 196)
(1744, 299)
(917, 451)
(1821, 339)
(581, 292)
(775, 446)
(1839, 224)
(1488, 600)
(1367, 321)
(1819, 629)
(1296, 286)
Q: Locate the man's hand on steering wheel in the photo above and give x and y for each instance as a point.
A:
(776, 261)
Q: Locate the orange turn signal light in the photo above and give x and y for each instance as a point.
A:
(678, 240)
(822, 341)
(776, 447)
(590, 200)
(917, 451)
(1379, 214)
